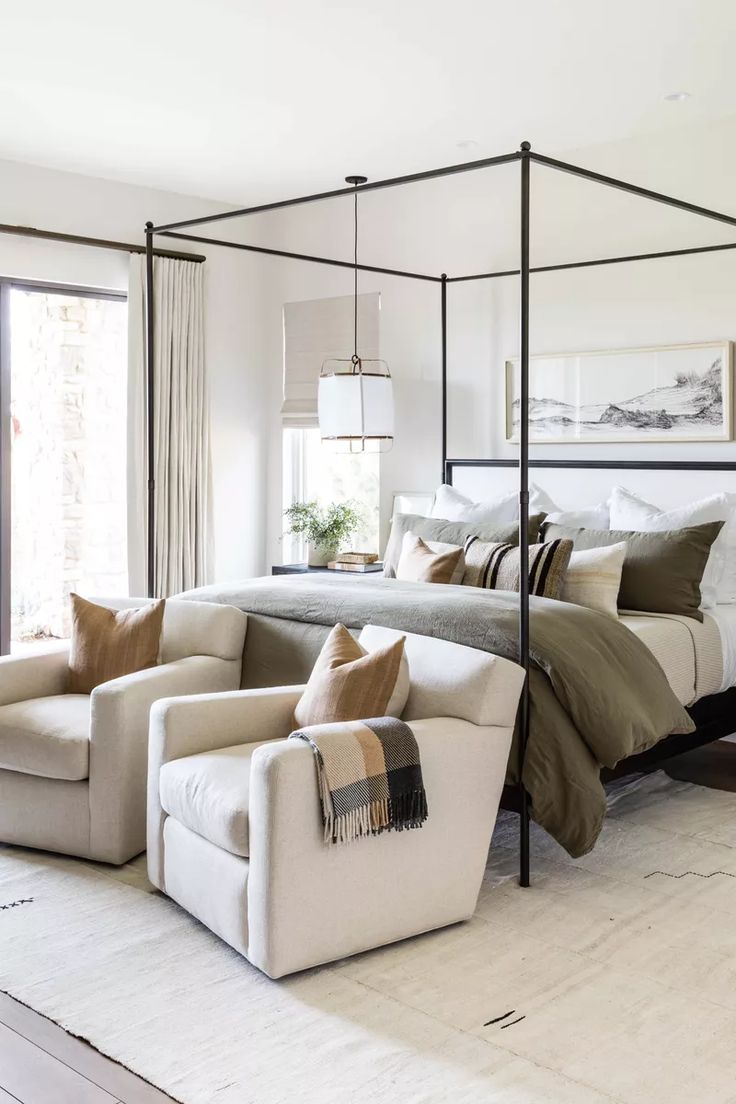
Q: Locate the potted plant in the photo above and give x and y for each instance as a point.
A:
(325, 528)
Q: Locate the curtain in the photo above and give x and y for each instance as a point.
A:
(182, 538)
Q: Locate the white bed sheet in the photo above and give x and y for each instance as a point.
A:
(725, 618)
(689, 652)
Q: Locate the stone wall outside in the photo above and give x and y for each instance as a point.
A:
(68, 406)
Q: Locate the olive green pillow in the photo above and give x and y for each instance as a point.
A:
(662, 571)
(450, 532)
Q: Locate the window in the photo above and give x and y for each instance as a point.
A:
(314, 331)
(64, 500)
(312, 472)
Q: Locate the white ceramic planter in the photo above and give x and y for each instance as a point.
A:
(319, 555)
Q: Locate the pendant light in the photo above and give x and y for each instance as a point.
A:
(355, 399)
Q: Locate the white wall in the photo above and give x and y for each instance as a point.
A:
(69, 203)
(470, 223)
(459, 224)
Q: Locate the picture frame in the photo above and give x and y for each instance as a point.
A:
(655, 394)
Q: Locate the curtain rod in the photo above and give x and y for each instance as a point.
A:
(96, 243)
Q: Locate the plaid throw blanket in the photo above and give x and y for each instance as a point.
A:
(369, 776)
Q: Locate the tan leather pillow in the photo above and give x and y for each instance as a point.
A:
(109, 643)
(349, 684)
(420, 562)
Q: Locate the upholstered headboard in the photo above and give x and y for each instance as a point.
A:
(576, 483)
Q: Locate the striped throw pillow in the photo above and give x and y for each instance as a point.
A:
(496, 566)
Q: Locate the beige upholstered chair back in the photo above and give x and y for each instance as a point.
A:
(452, 680)
(193, 628)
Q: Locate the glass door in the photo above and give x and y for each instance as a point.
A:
(63, 391)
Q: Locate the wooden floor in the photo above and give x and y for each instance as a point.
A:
(41, 1064)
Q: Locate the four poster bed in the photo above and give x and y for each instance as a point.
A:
(647, 714)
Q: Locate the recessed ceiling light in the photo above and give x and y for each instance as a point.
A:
(678, 97)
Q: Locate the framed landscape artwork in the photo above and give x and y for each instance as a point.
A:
(672, 393)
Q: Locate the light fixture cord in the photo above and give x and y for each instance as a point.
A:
(355, 280)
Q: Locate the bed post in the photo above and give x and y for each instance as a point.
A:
(444, 376)
(150, 435)
(524, 865)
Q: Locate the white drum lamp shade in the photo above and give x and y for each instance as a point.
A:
(356, 406)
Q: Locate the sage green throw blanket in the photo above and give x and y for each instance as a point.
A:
(598, 694)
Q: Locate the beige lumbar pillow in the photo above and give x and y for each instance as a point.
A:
(430, 561)
(348, 683)
(109, 643)
(593, 578)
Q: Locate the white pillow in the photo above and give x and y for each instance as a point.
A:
(539, 500)
(453, 506)
(718, 584)
(593, 517)
(593, 578)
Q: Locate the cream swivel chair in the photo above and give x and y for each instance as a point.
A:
(73, 766)
(234, 824)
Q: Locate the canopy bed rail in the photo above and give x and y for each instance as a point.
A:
(525, 157)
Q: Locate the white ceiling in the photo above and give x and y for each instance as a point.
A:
(246, 100)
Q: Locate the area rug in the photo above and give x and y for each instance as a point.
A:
(613, 979)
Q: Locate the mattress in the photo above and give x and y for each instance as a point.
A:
(691, 653)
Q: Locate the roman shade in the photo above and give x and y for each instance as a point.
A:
(316, 330)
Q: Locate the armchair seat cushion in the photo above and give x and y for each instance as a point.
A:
(47, 736)
(208, 794)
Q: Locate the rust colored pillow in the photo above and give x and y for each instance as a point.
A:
(109, 643)
(349, 684)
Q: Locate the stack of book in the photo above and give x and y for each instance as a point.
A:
(359, 562)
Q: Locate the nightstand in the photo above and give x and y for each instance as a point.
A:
(304, 569)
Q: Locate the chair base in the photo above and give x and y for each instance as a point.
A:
(51, 814)
(207, 882)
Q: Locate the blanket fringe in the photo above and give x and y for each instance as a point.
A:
(407, 810)
(410, 811)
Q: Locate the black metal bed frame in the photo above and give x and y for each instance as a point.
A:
(714, 715)
(714, 723)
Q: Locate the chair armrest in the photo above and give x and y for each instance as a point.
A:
(204, 722)
(40, 675)
(196, 723)
(120, 711)
(295, 879)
